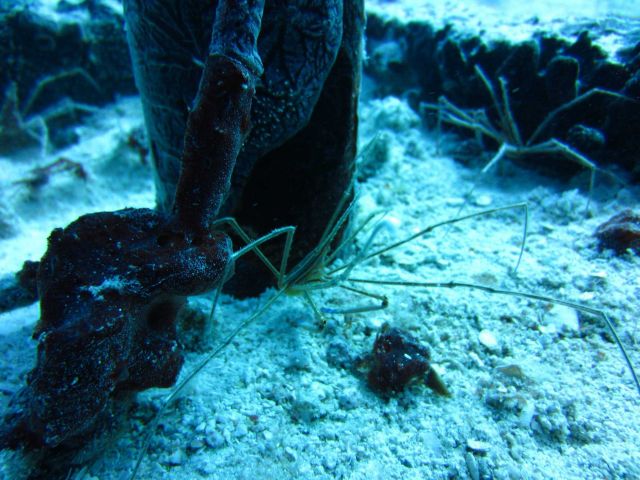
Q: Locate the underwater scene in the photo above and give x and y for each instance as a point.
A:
(319, 239)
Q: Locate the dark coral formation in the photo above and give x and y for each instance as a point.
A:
(299, 157)
(397, 359)
(620, 233)
(111, 285)
(543, 73)
(298, 51)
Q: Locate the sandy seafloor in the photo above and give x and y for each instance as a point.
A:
(550, 398)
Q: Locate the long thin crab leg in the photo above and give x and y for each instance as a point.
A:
(554, 146)
(362, 254)
(382, 299)
(350, 239)
(585, 97)
(252, 246)
(151, 428)
(235, 226)
(314, 259)
(450, 221)
(449, 113)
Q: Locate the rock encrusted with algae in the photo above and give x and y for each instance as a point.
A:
(398, 359)
(620, 233)
(111, 285)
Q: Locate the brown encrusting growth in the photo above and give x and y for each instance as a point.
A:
(111, 285)
(620, 233)
(398, 359)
